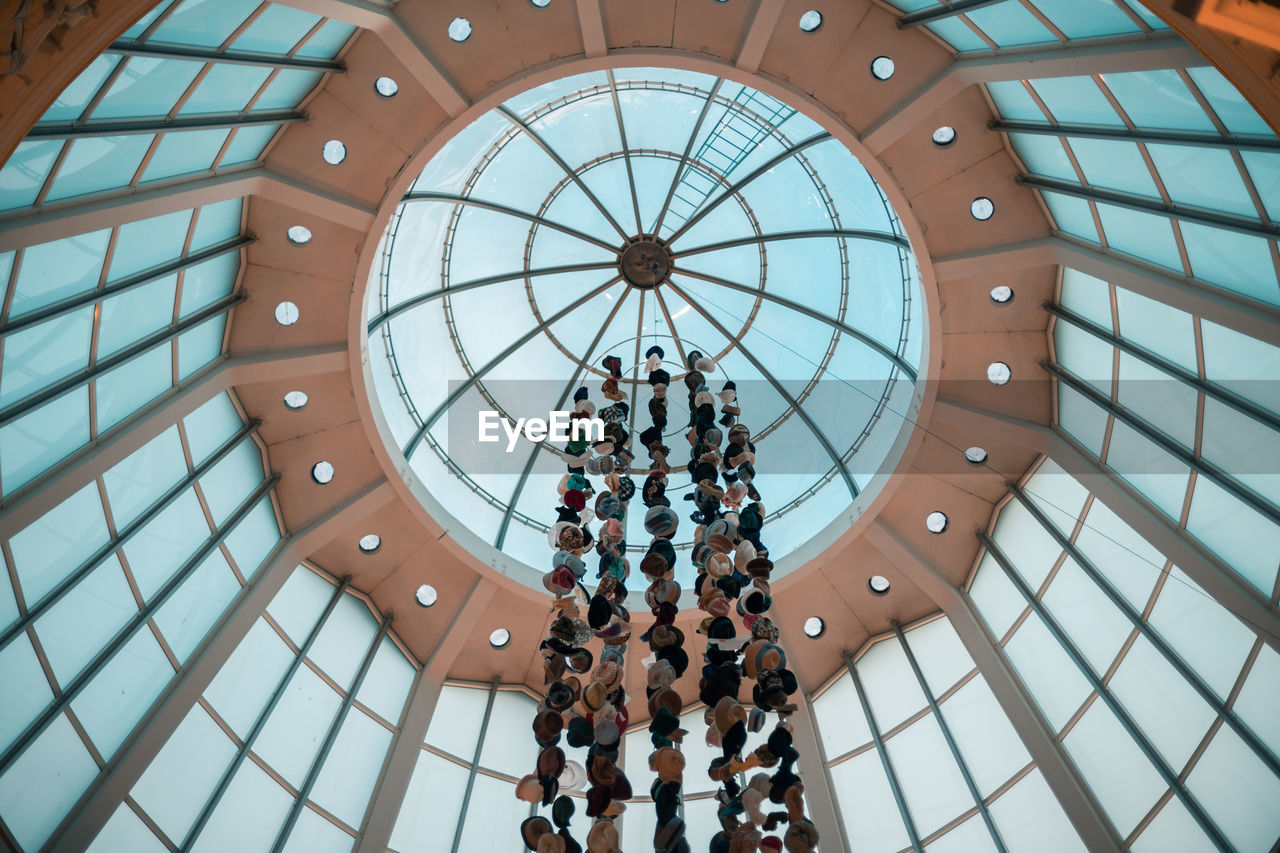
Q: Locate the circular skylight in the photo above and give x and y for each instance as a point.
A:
(287, 313)
(386, 87)
(552, 244)
(1001, 294)
(811, 20)
(936, 522)
(499, 638)
(976, 455)
(541, 4)
(459, 29)
(814, 626)
(322, 472)
(882, 68)
(370, 542)
(425, 595)
(982, 208)
(879, 584)
(299, 235)
(334, 152)
(998, 373)
(295, 399)
(944, 135)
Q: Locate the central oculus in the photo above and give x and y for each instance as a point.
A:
(645, 262)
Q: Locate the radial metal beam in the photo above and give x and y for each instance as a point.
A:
(477, 375)
(815, 233)
(130, 127)
(423, 298)
(1139, 738)
(482, 204)
(737, 186)
(128, 47)
(938, 13)
(1214, 219)
(777, 386)
(800, 308)
(684, 158)
(568, 171)
(1194, 139)
(626, 151)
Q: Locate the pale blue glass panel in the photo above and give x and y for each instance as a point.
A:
(300, 602)
(505, 747)
(206, 283)
(129, 387)
(179, 780)
(126, 831)
(1043, 665)
(1238, 534)
(326, 43)
(1238, 792)
(205, 23)
(351, 769)
(288, 89)
(248, 816)
(8, 604)
(1072, 216)
(1146, 14)
(248, 144)
(25, 171)
(1084, 355)
(42, 785)
(986, 739)
(1238, 262)
(1143, 235)
(1087, 296)
(1264, 171)
(494, 815)
(242, 687)
(276, 30)
(292, 736)
(1026, 544)
(1158, 327)
(140, 26)
(37, 440)
(99, 163)
(1258, 698)
(931, 782)
(387, 685)
(841, 726)
(1014, 102)
(1086, 615)
(1202, 632)
(135, 314)
(1157, 398)
(209, 426)
(1227, 101)
(957, 34)
(996, 597)
(1010, 24)
(1246, 365)
(185, 619)
(969, 837)
(1158, 99)
(148, 243)
(1111, 763)
(892, 689)
(1202, 177)
(1056, 494)
(1148, 468)
(1163, 705)
(184, 154)
(1076, 100)
(431, 804)
(147, 87)
(1087, 18)
(159, 548)
(26, 688)
(1114, 165)
(47, 550)
(53, 271)
(73, 99)
(1030, 818)
(252, 539)
(455, 725)
(117, 697)
(217, 223)
(200, 346)
(940, 654)
(228, 88)
(344, 640)
(80, 625)
(1081, 419)
(1044, 155)
(315, 834)
(38, 356)
(1126, 559)
(229, 482)
(871, 818)
(1173, 828)
(1246, 450)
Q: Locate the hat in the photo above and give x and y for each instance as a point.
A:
(532, 829)
(661, 521)
(562, 694)
(579, 660)
(655, 566)
(547, 726)
(666, 724)
(529, 789)
(599, 612)
(668, 762)
(574, 775)
(603, 837)
(668, 699)
(801, 837)
(579, 734)
(661, 674)
(719, 564)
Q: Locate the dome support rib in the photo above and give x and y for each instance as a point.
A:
(510, 211)
(684, 158)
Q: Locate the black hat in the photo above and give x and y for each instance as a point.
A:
(580, 733)
(580, 394)
(562, 811)
(599, 612)
(654, 350)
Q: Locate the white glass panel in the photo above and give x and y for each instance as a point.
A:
(141, 478)
(1071, 215)
(197, 605)
(1058, 687)
(351, 769)
(1238, 792)
(1236, 533)
(455, 725)
(1237, 443)
(124, 390)
(1166, 403)
(1201, 631)
(699, 820)
(293, 734)
(1260, 696)
(1089, 19)
(1148, 468)
(50, 548)
(493, 815)
(344, 640)
(241, 688)
(1111, 763)
(1031, 821)
(229, 482)
(209, 426)
(182, 776)
(1057, 494)
(287, 89)
(1087, 296)
(39, 356)
(216, 223)
(248, 816)
(387, 685)
(969, 837)
(429, 814)
(1084, 355)
(508, 748)
(42, 785)
(1245, 365)
(1094, 624)
(1162, 704)
(1081, 419)
(997, 599)
(1010, 25)
(126, 831)
(113, 702)
(26, 688)
(75, 629)
(841, 722)
(699, 754)
(157, 551)
(1026, 544)
(940, 653)
(1127, 560)
(1173, 828)
(891, 687)
(871, 818)
(1044, 155)
(930, 779)
(986, 739)
(299, 604)
(206, 283)
(315, 834)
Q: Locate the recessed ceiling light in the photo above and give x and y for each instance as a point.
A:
(299, 235)
(811, 20)
(295, 399)
(286, 313)
(370, 542)
(499, 638)
(386, 87)
(882, 68)
(1002, 293)
(322, 472)
(814, 626)
(936, 522)
(982, 208)
(426, 595)
(998, 373)
(976, 455)
(879, 584)
(944, 135)
(334, 152)
(541, 4)
(459, 29)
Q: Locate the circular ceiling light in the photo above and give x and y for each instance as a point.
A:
(299, 235)
(982, 208)
(334, 152)
(814, 626)
(976, 455)
(1001, 293)
(541, 4)
(386, 87)
(370, 542)
(879, 584)
(499, 638)
(998, 373)
(882, 68)
(810, 21)
(295, 399)
(286, 313)
(459, 29)
(935, 522)
(944, 135)
(322, 472)
(425, 595)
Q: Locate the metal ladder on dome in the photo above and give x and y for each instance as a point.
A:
(730, 142)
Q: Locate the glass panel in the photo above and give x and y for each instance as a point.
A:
(246, 681)
(1111, 763)
(387, 685)
(1259, 696)
(1228, 102)
(1236, 533)
(228, 88)
(126, 831)
(1044, 155)
(1157, 327)
(507, 747)
(1030, 819)
(229, 482)
(149, 243)
(184, 154)
(161, 547)
(181, 778)
(200, 346)
(196, 606)
(292, 736)
(997, 599)
(209, 427)
(72, 100)
(940, 654)
(126, 389)
(1158, 99)
(1013, 101)
(455, 724)
(113, 702)
(1114, 165)
(79, 626)
(931, 781)
(326, 43)
(315, 834)
(1010, 25)
(891, 687)
(252, 540)
(1076, 100)
(43, 437)
(25, 171)
(37, 357)
(99, 163)
(248, 816)
(1081, 419)
(42, 785)
(53, 271)
(276, 30)
(1173, 828)
(216, 223)
(1202, 177)
(1201, 631)
(841, 722)
(1093, 623)
(987, 741)
(1088, 19)
(1058, 687)
(1167, 709)
(1087, 296)
(969, 837)
(248, 143)
(494, 816)
(1166, 403)
(26, 689)
(429, 814)
(50, 548)
(351, 768)
(344, 640)
(1148, 468)
(299, 604)
(1236, 443)
(139, 480)
(1124, 557)
(1238, 792)
(1143, 235)
(1239, 262)
(1027, 545)
(204, 23)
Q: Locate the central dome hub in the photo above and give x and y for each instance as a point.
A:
(645, 262)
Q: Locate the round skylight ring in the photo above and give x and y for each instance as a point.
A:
(298, 235)
(500, 638)
(878, 584)
(334, 152)
(1002, 294)
(386, 87)
(982, 208)
(369, 543)
(287, 313)
(295, 400)
(426, 595)
(459, 30)
(883, 68)
(810, 21)
(975, 455)
(936, 522)
(943, 136)
(814, 627)
(322, 472)
(999, 373)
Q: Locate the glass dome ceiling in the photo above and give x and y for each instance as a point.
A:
(502, 287)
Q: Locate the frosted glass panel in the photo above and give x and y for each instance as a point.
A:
(1094, 624)
(1058, 687)
(872, 821)
(293, 734)
(841, 722)
(315, 834)
(1031, 821)
(182, 776)
(987, 740)
(387, 685)
(891, 687)
(123, 691)
(126, 831)
(81, 624)
(507, 747)
(931, 781)
(429, 814)
(455, 724)
(1238, 792)
(344, 640)
(50, 548)
(44, 782)
(1166, 708)
(248, 816)
(197, 605)
(494, 816)
(299, 604)
(351, 769)
(241, 688)
(1120, 775)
